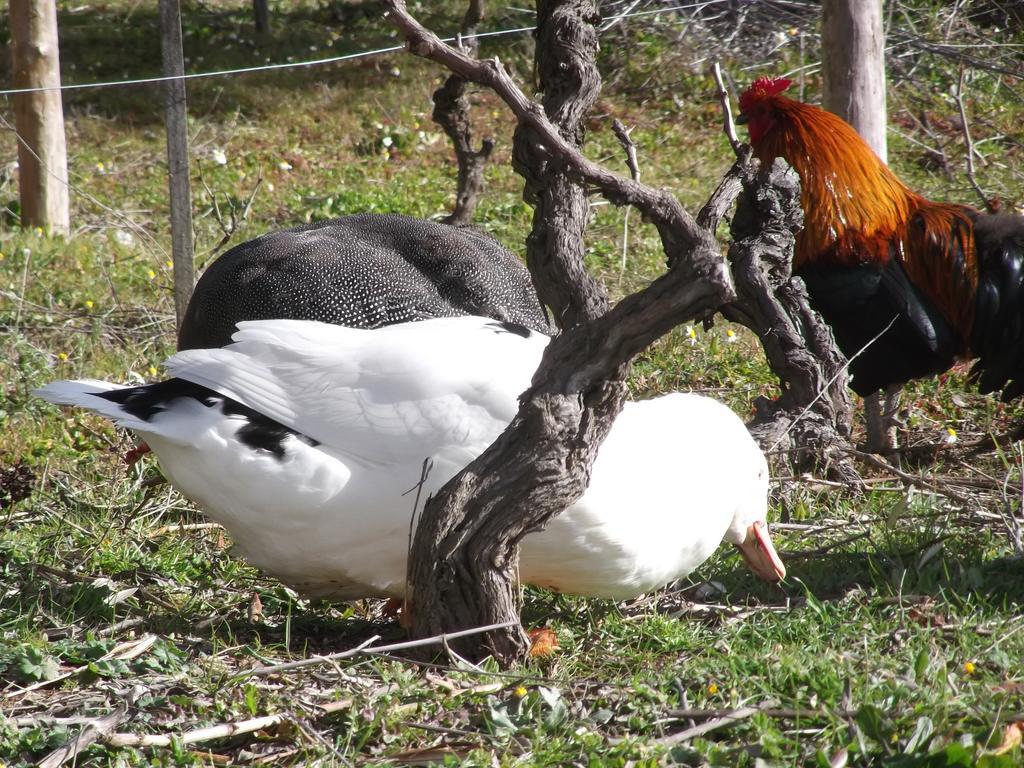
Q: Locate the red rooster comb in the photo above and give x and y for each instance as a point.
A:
(764, 87)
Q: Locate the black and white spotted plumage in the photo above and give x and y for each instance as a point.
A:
(364, 271)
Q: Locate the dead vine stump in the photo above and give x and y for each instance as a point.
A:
(463, 560)
(810, 421)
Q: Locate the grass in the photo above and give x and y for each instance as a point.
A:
(895, 641)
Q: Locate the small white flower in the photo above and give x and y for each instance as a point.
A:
(730, 336)
(950, 435)
(123, 237)
(387, 141)
(396, 72)
(270, 186)
(284, 165)
(691, 335)
(219, 157)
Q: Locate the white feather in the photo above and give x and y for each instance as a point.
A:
(333, 519)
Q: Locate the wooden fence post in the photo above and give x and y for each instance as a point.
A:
(261, 16)
(176, 118)
(853, 67)
(39, 116)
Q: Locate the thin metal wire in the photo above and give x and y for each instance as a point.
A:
(329, 60)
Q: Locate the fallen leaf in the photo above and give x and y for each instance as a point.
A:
(543, 642)
(255, 608)
(1011, 739)
(924, 617)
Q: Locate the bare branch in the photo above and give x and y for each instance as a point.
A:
(366, 648)
(965, 126)
(212, 732)
(451, 112)
(98, 729)
(728, 126)
(714, 724)
(726, 193)
(679, 232)
(228, 229)
(622, 134)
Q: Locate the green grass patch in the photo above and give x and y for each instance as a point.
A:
(896, 640)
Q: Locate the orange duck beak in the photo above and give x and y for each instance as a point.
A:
(759, 553)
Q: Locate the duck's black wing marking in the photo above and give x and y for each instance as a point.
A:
(259, 432)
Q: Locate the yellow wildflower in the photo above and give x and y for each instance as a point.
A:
(950, 435)
(150, 274)
(152, 370)
(519, 692)
(969, 667)
(712, 688)
(62, 356)
(88, 304)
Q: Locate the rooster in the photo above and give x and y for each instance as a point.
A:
(910, 284)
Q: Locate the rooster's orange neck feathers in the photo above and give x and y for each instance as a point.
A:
(856, 210)
(852, 201)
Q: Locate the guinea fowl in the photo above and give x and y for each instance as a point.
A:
(364, 271)
(908, 285)
(303, 440)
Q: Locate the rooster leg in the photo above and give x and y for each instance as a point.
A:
(890, 413)
(875, 441)
(880, 409)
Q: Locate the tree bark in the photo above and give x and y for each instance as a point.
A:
(566, 50)
(853, 67)
(451, 112)
(463, 563)
(561, 434)
(810, 421)
(39, 116)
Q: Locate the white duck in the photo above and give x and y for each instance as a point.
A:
(304, 440)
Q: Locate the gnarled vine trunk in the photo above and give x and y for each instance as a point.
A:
(811, 418)
(465, 552)
(463, 563)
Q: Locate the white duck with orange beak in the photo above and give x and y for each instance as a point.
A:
(305, 439)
